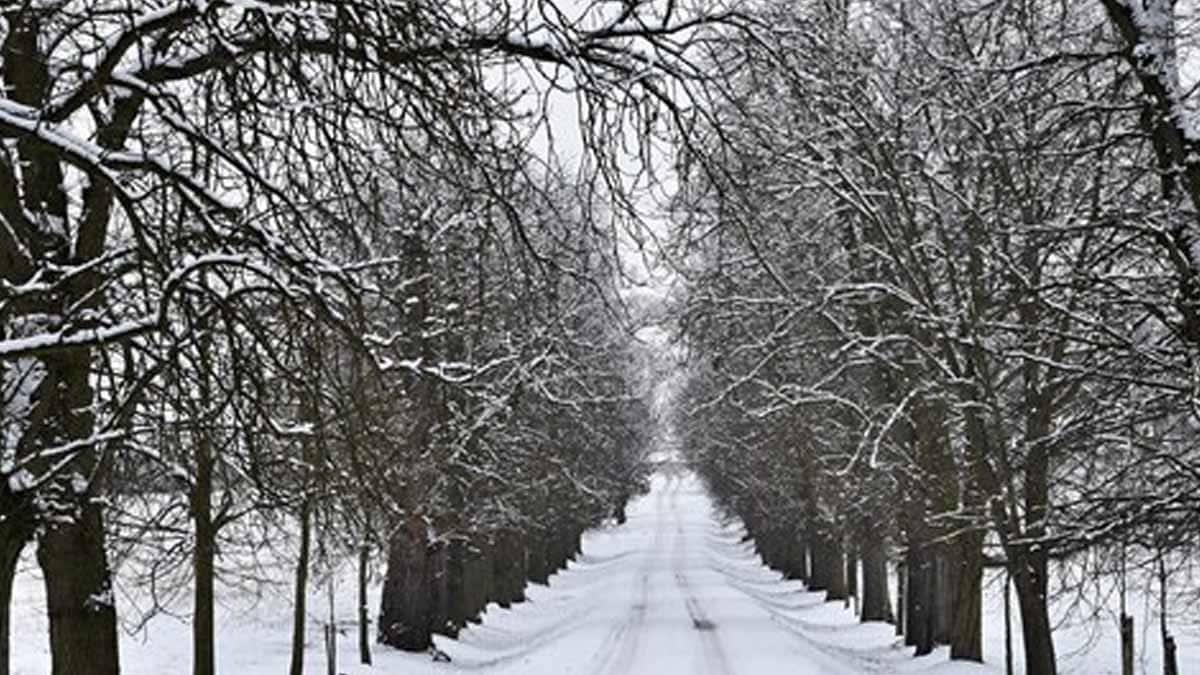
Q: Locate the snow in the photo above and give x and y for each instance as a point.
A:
(15, 347)
(674, 590)
(20, 480)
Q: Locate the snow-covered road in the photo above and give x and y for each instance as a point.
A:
(674, 590)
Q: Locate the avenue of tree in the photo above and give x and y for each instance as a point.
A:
(940, 303)
(292, 279)
(297, 281)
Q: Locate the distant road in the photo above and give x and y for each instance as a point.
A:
(671, 591)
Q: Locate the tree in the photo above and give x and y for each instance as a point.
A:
(144, 145)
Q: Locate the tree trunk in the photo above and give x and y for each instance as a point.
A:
(204, 555)
(437, 585)
(851, 578)
(71, 553)
(796, 567)
(406, 607)
(300, 609)
(508, 569)
(1031, 576)
(966, 641)
(79, 596)
(821, 574)
(919, 600)
(765, 546)
(13, 538)
(1170, 661)
(945, 580)
(875, 592)
(480, 577)
(576, 542)
(1126, 644)
(556, 557)
(537, 566)
(364, 613)
(622, 501)
(204, 563)
(1035, 622)
(564, 545)
(838, 589)
(456, 588)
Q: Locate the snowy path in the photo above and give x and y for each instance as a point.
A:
(674, 590)
(671, 591)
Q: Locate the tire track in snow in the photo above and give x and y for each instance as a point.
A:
(715, 661)
(801, 630)
(616, 653)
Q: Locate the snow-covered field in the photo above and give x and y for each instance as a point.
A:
(674, 590)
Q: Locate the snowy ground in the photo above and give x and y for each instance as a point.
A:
(674, 590)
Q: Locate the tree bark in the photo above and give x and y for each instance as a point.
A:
(1031, 576)
(83, 618)
(821, 574)
(919, 600)
(945, 580)
(437, 585)
(16, 529)
(621, 502)
(204, 554)
(407, 603)
(852, 577)
(796, 566)
(1035, 622)
(537, 567)
(838, 589)
(875, 605)
(79, 594)
(300, 592)
(456, 587)
(480, 577)
(508, 569)
(364, 613)
(966, 641)
(204, 564)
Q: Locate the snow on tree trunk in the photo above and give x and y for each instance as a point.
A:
(12, 541)
(79, 595)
